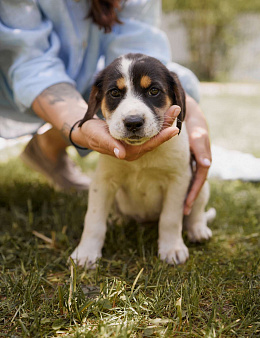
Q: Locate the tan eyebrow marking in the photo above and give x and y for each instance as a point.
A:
(121, 83)
(145, 81)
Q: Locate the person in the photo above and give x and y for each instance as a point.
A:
(50, 53)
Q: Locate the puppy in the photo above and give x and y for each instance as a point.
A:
(134, 92)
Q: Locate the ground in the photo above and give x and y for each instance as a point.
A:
(131, 293)
(233, 115)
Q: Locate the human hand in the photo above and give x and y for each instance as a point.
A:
(166, 133)
(200, 148)
(94, 135)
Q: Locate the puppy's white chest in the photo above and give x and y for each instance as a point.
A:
(141, 194)
(142, 184)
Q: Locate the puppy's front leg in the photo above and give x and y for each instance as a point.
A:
(171, 246)
(101, 196)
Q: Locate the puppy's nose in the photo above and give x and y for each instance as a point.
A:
(133, 122)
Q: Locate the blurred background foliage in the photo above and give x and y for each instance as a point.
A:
(212, 30)
(215, 5)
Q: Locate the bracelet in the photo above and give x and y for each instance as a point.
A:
(70, 134)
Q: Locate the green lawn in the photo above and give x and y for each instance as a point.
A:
(234, 120)
(131, 293)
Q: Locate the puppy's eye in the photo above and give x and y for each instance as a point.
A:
(153, 91)
(115, 93)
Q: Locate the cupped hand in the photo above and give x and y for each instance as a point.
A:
(94, 134)
(166, 133)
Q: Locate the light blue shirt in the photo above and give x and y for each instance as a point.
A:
(45, 42)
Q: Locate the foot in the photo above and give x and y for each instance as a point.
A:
(198, 233)
(86, 255)
(62, 174)
(174, 254)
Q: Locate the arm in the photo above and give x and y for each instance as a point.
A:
(29, 48)
(200, 147)
(62, 105)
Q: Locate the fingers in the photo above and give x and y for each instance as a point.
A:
(167, 132)
(131, 153)
(200, 146)
(134, 152)
(199, 179)
(164, 135)
(202, 153)
(170, 115)
(95, 135)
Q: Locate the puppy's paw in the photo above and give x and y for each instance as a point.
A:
(176, 254)
(199, 233)
(85, 258)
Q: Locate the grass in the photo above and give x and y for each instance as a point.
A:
(131, 293)
(234, 121)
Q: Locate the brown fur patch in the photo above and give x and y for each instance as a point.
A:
(145, 81)
(168, 102)
(161, 111)
(104, 108)
(121, 83)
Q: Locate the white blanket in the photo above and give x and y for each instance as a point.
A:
(234, 165)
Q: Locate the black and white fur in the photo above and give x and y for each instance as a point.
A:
(134, 93)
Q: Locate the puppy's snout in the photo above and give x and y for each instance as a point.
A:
(133, 122)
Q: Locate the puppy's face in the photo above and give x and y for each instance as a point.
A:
(134, 93)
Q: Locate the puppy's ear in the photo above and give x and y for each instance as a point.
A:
(95, 99)
(178, 98)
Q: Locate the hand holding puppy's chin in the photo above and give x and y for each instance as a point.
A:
(94, 134)
(133, 152)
